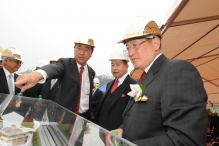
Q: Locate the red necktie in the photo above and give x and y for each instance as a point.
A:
(78, 101)
(142, 77)
(115, 85)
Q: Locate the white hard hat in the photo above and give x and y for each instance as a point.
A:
(141, 27)
(84, 40)
(119, 55)
(42, 63)
(13, 52)
(96, 80)
(0, 56)
(55, 59)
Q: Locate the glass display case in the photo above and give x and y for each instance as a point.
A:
(26, 121)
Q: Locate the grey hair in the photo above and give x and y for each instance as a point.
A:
(3, 59)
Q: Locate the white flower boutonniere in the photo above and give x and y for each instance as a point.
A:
(137, 92)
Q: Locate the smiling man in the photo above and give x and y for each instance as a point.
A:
(12, 60)
(112, 106)
(74, 75)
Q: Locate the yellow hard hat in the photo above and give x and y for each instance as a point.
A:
(13, 52)
(84, 40)
(141, 27)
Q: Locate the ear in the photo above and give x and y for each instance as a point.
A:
(156, 43)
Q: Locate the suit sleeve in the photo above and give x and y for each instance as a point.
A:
(183, 106)
(55, 71)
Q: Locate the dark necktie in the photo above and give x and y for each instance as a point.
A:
(78, 101)
(115, 85)
(142, 77)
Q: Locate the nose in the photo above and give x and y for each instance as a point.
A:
(81, 51)
(130, 52)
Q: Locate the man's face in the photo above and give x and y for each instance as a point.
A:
(118, 68)
(12, 65)
(53, 62)
(144, 54)
(82, 53)
(96, 85)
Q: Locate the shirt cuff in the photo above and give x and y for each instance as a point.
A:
(44, 74)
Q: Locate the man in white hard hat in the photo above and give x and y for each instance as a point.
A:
(12, 60)
(54, 60)
(97, 96)
(49, 89)
(75, 76)
(113, 104)
(41, 63)
(174, 110)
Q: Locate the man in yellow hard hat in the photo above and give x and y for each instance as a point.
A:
(171, 111)
(12, 59)
(75, 76)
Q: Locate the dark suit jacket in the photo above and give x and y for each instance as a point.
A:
(175, 112)
(96, 98)
(4, 85)
(46, 92)
(117, 107)
(66, 71)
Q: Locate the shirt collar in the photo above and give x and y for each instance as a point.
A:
(121, 80)
(7, 73)
(85, 67)
(146, 70)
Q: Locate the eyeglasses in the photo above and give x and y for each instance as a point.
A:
(134, 46)
(17, 61)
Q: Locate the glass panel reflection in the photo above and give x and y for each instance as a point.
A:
(28, 121)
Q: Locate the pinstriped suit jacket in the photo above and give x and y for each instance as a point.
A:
(175, 112)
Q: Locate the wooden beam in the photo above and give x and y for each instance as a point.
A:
(192, 21)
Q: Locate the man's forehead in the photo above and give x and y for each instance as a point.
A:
(131, 41)
(116, 61)
(83, 45)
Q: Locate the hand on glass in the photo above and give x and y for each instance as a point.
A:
(108, 136)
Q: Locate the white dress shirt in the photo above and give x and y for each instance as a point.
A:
(121, 80)
(146, 70)
(85, 90)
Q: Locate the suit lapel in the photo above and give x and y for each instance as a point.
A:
(149, 77)
(3, 80)
(91, 77)
(17, 90)
(108, 87)
(121, 90)
(55, 85)
(74, 70)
